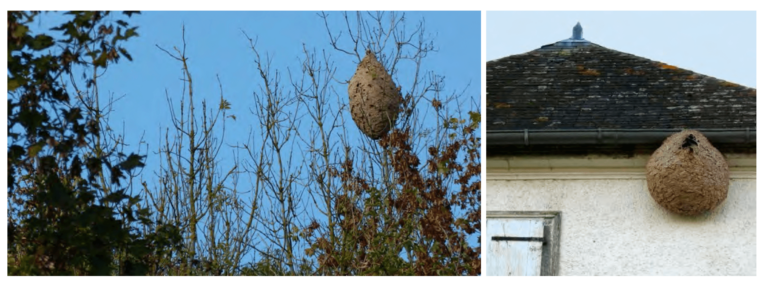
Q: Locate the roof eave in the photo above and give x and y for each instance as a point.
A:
(612, 136)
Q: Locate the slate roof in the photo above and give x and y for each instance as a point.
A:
(588, 86)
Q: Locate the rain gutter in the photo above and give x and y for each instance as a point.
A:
(611, 136)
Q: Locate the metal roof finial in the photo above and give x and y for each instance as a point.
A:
(575, 41)
(577, 32)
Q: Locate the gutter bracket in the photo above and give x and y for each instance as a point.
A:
(526, 137)
(746, 140)
(599, 135)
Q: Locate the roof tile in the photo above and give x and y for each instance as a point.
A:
(587, 87)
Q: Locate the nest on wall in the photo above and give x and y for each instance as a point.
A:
(687, 175)
(374, 100)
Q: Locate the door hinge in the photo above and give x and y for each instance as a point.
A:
(529, 239)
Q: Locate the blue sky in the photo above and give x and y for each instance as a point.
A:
(714, 43)
(217, 47)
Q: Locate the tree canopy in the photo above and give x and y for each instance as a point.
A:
(79, 203)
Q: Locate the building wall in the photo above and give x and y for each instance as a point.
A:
(610, 225)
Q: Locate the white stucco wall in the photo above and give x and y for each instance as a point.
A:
(612, 226)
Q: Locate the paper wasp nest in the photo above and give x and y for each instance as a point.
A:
(687, 175)
(374, 100)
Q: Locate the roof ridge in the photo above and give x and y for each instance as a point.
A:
(634, 56)
(593, 86)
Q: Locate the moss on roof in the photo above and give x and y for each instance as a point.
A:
(592, 86)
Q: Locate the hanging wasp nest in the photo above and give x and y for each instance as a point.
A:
(374, 100)
(687, 175)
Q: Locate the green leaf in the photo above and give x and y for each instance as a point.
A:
(35, 148)
(101, 61)
(475, 116)
(115, 174)
(125, 53)
(133, 200)
(14, 83)
(20, 31)
(131, 32)
(116, 196)
(31, 119)
(63, 26)
(127, 211)
(130, 13)
(132, 162)
(94, 167)
(72, 115)
(15, 152)
(224, 105)
(41, 42)
(443, 167)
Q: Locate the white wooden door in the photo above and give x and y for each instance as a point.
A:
(514, 246)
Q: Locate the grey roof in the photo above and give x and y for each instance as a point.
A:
(588, 86)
